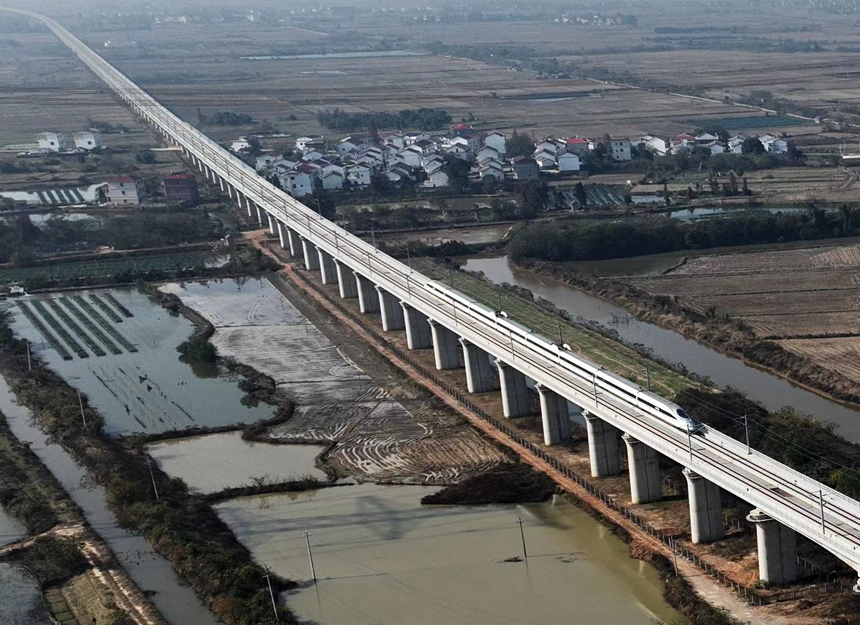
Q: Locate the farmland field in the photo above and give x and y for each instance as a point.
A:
(806, 298)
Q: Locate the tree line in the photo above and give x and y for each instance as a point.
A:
(422, 119)
(599, 240)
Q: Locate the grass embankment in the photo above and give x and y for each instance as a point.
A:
(28, 491)
(183, 529)
(799, 441)
(628, 361)
(152, 267)
(718, 331)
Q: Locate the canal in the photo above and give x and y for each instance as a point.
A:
(771, 390)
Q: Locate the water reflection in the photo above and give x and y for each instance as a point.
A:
(380, 555)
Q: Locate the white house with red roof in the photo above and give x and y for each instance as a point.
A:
(123, 190)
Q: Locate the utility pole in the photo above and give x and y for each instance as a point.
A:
(81, 404)
(648, 376)
(451, 278)
(500, 300)
(560, 335)
(310, 555)
(408, 258)
(690, 442)
(272, 594)
(821, 504)
(29, 361)
(747, 430)
(523, 537)
(152, 477)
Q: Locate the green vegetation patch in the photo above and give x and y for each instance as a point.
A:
(746, 123)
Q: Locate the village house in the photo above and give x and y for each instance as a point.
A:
(436, 179)
(488, 152)
(525, 168)
(180, 189)
(239, 145)
(577, 145)
(357, 175)
(348, 145)
(619, 150)
(332, 180)
(568, 161)
(264, 163)
(52, 141)
(88, 140)
(497, 141)
(545, 160)
(303, 144)
(123, 191)
(299, 182)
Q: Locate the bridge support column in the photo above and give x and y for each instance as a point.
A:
(515, 393)
(418, 335)
(254, 212)
(221, 183)
(446, 349)
(602, 446)
(327, 268)
(271, 221)
(555, 416)
(480, 373)
(346, 281)
(368, 298)
(706, 511)
(230, 190)
(295, 241)
(777, 549)
(282, 235)
(642, 463)
(392, 313)
(312, 259)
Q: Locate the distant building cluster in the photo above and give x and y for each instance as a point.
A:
(79, 142)
(407, 158)
(684, 142)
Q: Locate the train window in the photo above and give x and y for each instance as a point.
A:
(682, 414)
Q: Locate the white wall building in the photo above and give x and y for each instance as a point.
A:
(497, 141)
(88, 140)
(568, 162)
(52, 141)
(619, 149)
(123, 190)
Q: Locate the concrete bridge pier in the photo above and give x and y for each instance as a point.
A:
(480, 373)
(392, 313)
(777, 549)
(706, 511)
(368, 298)
(295, 242)
(282, 234)
(515, 393)
(555, 416)
(346, 281)
(271, 221)
(221, 183)
(230, 190)
(257, 213)
(309, 251)
(642, 464)
(446, 348)
(418, 334)
(603, 449)
(327, 268)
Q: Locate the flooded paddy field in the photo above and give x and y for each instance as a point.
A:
(211, 463)
(379, 555)
(20, 599)
(119, 348)
(375, 437)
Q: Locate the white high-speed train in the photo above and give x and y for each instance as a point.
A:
(595, 376)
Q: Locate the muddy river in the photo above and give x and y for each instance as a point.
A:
(214, 462)
(771, 390)
(149, 570)
(10, 529)
(20, 600)
(380, 555)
